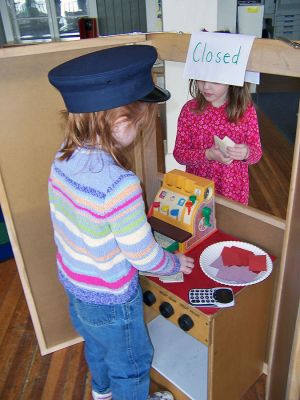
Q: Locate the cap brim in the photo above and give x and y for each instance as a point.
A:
(158, 95)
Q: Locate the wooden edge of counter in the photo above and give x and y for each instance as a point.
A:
(53, 47)
(269, 56)
(252, 212)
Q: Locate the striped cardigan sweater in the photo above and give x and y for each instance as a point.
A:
(100, 229)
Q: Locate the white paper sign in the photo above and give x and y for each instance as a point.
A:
(218, 57)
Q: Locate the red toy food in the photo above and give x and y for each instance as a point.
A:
(257, 263)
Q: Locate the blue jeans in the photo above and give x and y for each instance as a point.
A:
(118, 349)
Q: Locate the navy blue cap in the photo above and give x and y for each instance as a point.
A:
(108, 79)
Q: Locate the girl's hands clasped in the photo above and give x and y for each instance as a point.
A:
(186, 263)
(238, 152)
(215, 154)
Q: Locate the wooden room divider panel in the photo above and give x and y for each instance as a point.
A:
(30, 133)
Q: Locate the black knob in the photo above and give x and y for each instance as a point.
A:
(149, 298)
(166, 309)
(185, 322)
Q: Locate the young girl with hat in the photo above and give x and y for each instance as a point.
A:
(100, 228)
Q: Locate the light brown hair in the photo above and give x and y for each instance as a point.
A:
(95, 129)
(238, 100)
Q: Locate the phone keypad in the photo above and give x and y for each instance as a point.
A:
(214, 297)
(202, 297)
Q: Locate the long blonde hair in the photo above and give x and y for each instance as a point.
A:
(95, 129)
(238, 100)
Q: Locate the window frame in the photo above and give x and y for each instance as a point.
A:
(11, 27)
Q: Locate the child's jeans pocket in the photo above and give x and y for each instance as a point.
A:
(94, 314)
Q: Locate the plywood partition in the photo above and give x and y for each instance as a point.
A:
(30, 133)
(285, 334)
(271, 57)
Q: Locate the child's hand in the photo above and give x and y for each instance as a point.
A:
(186, 263)
(214, 153)
(238, 152)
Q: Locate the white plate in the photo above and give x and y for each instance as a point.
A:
(212, 252)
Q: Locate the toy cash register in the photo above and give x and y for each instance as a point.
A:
(183, 212)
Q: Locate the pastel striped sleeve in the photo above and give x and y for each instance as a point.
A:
(126, 216)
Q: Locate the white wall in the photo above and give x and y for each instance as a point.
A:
(189, 16)
(154, 22)
(227, 14)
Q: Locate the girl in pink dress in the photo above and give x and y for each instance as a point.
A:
(219, 110)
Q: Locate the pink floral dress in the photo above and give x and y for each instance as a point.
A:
(195, 134)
